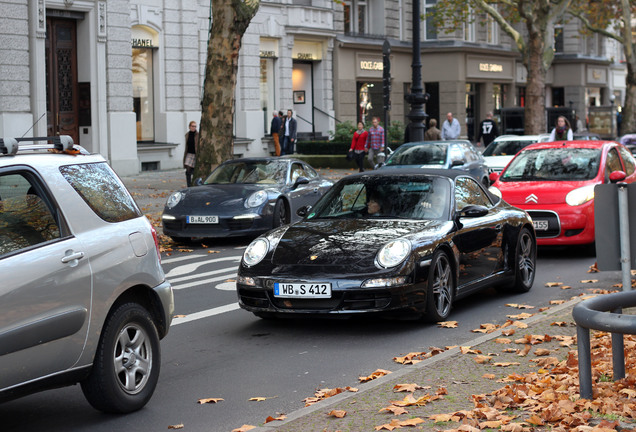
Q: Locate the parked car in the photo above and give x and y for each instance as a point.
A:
(629, 141)
(585, 136)
(457, 154)
(501, 151)
(554, 182)
(243, 197)
(399, 241)
(84, 298)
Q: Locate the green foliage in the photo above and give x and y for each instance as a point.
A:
(396, 134)
(344, 131)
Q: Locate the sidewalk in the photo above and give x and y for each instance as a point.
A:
(515, 378)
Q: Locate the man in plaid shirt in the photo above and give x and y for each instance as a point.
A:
(375, 140)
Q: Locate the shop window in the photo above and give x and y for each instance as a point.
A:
(558, 97)
(143, 97)
(429, 30)
(498, 91)
(521, 96)
(369, 101)
(268, 103)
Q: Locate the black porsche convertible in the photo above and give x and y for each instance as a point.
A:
(398, 241)
(243, 197)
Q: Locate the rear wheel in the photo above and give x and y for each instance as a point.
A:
(441, 286)
(281, 216)
(525, 261)
(127, 362)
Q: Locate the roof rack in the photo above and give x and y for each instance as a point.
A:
(60, 142)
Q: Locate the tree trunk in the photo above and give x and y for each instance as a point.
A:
(628, 124)
(535, 85)
(230, 19)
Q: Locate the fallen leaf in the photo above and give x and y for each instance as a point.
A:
(177, 426)
(447, 324)
(259, 399)
(406, 387)
(377, 374)
(587, 281)
(209, 400)
(488, 376)
(396, 410)
(279, 418)
(541, 352)
(337, 413)
(506, 364)
(244, 428)
(557, 302)
(179, 316)
(482, 359)
(503, 341)
(553, 284)
(520, 316)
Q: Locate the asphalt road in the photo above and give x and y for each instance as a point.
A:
(219, 351)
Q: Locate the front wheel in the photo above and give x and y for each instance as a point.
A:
(526, 261)
(280, 214)
(127, 362)
(441, 287)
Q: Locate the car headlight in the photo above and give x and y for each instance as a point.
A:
(174, 199)
(580, 196)
(256, 199)
(255, 252)
(495, 191)
(393, 253)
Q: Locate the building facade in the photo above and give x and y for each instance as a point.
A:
(124, 77)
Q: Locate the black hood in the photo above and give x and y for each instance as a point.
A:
(351, 244)
(223, 195)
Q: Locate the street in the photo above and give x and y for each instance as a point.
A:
(216, 350)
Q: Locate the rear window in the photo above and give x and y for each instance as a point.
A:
(506, 148)
(102, 190)
(424, 154)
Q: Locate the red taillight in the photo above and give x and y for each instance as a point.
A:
(156, 239)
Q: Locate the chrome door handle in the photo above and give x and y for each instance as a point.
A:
(72, 256)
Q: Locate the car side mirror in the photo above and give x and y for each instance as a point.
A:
(303, 211)
(457, 162)
(299, 181)
(472, 211)
(617, 176)
(493, 177)
(198, 181)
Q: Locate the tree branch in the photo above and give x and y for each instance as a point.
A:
(505, 26)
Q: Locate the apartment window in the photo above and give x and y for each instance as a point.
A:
(558, 38)
(429, 31)
(356, 17)
(558, 96)
(492, 31)
(469, 27)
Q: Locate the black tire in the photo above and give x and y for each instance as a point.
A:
(127, 362)
(525, 261)
(441, 288)
(281, 215)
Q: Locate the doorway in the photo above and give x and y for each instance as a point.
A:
(61, 78)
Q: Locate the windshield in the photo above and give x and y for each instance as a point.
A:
(262, 172)
(421, 154)
(554, 164)
(506, 148)
(386, 197)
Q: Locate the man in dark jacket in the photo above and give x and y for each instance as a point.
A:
(275, 130)
(289, 134)
(487, 130)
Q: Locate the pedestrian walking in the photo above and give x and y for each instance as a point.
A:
(190, 153)
(375, 140)
(450, 128)
(488, 130)
(289, 133)
(562, 131)
(432, 134)
(358, 144)
(275, 131)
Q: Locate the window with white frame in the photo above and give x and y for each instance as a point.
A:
(558, 38)
(356, 17)
(492, 30)
(429, 31)
(469, 27)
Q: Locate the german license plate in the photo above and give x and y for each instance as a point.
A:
(202, 219)
(302, 290)
(540, 225)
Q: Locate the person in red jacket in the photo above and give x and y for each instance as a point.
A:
(358, 144)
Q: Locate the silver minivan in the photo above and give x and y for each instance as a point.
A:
(83, 296)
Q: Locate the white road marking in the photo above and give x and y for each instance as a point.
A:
(204, 281)
(179, 258)
(189, 268)
(205, 314)
(193, 276)
(226, 286)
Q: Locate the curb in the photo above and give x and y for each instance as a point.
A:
(366, 387)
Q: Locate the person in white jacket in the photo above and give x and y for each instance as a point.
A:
(562, 131)
(450, 128)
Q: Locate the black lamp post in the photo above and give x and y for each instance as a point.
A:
(417, 98)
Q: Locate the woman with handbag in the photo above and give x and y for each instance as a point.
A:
(358, 143)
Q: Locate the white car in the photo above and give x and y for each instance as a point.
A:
(501, 151)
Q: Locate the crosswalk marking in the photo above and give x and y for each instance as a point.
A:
(204, 281)
(192, 276)
(187, 269)
(206, 313)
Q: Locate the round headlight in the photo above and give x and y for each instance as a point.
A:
(495, 191)
(256, 199)
(580, 196)
(255, 252)
(174, 199)
(394, 253)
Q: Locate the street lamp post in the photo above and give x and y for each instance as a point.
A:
(417, 98)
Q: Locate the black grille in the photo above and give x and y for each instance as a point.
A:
(554, 225)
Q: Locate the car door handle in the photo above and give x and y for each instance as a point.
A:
(316, 190)
(72, 256)
(498, 227)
